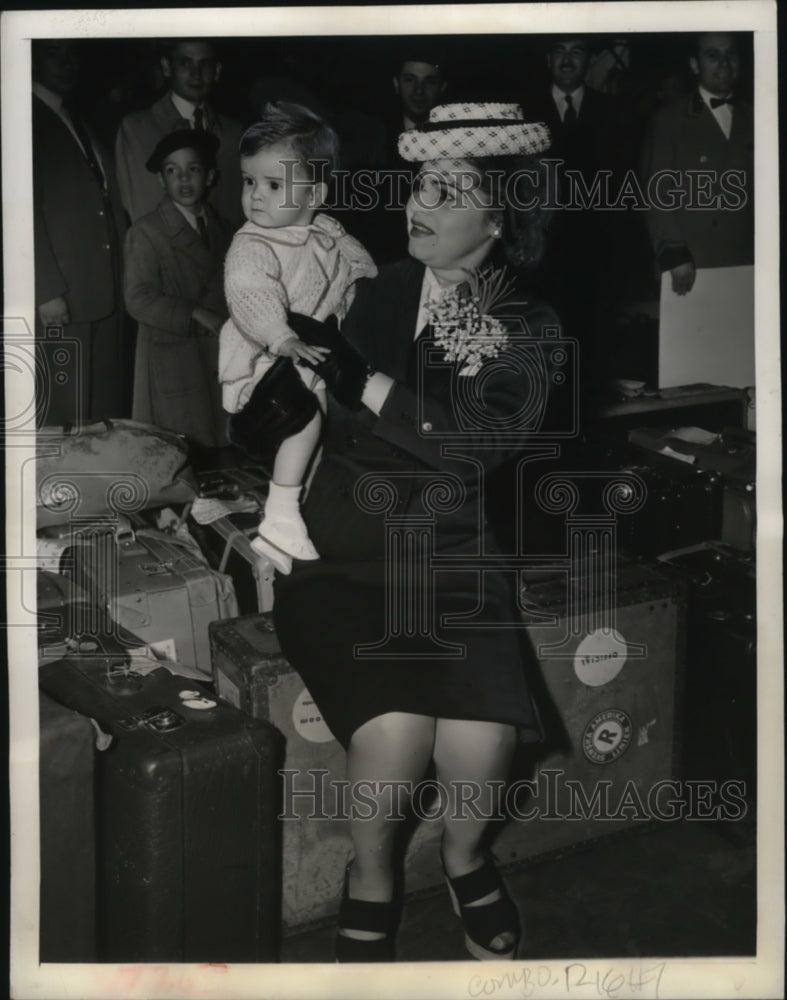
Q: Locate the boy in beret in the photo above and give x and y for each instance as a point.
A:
(173, 280)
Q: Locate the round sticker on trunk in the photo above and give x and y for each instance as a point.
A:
(600, 657)
(308, 721)
(606, 736)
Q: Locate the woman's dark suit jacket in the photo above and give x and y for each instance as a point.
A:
(324, 610)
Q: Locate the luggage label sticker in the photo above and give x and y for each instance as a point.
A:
(600, 657)
(308, 721)
(607, 736)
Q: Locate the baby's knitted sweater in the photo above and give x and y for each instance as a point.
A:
(306, 269)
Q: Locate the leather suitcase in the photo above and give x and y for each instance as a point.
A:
(187, 816)
(156, 587)
(251, 673)
(728, 463)
(721, 686)
(683, 504)
(67, 931)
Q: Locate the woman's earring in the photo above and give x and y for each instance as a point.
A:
(496, 233)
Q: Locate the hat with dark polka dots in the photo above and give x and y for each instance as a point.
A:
(457, 130)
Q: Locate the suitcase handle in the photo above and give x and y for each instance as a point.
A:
(69, 428)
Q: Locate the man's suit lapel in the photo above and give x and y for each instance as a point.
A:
(167, 116)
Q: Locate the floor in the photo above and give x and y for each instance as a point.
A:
(670, 889)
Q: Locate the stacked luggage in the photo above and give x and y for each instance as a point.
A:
(159, 831)
(181, 755)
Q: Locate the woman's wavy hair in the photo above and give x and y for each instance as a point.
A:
(519, 189)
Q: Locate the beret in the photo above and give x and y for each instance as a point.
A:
(206, 143)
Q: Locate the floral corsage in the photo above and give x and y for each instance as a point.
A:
(462, 322)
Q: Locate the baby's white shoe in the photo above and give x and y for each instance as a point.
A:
(282, 527)
(288, 533)
(281, 561)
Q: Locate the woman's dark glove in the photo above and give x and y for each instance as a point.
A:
(279, 406)
(344, 371)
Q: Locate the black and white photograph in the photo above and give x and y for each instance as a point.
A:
(432, 623)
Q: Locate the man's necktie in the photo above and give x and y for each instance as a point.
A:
(570, 116)
(202, 226)
(87, 146)
(199, 119)
(716, 102)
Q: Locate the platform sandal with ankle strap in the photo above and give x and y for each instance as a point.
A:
(365, 915)
(484, 923)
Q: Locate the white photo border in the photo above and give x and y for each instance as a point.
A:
(751, 977)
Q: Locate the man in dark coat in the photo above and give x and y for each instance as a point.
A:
(706, 141)
(583, 122)
(192, 69)
(589, 142)
(79, 229)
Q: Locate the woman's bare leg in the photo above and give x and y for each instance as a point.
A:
(395, 747)
(471, 755)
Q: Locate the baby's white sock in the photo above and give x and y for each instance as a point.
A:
(283, 500)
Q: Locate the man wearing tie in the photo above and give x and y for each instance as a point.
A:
(577, 274)
(583, 122)
(78, 234)
(707, 139)
(192, 69)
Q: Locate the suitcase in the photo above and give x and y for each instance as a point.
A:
(111, 467)
(234, 482)
(226, 541)
(710, 406)
(63, 611)
(721, 686)
(187, 810)
(683, 503)
(67, 931)
(609, 689)
(156, 587)
(226, 544)
(727, 460)
(250, 672)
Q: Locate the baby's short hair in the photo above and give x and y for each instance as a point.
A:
(313, 140)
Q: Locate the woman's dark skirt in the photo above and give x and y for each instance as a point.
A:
(347, 636)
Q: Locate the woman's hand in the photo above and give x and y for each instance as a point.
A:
(683, 278)
(293, 347)
(54, 312)
(344, 371)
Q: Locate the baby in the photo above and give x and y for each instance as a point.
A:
(287, 257)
